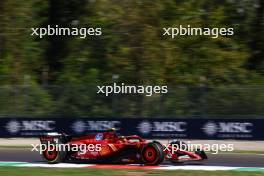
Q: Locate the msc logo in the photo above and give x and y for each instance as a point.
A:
(145, 127)
(15, 126)
(81, 126)
(211, 128)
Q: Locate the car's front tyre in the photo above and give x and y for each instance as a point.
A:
(152, 154)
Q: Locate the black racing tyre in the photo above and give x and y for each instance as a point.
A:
(162, 147)
(52, 156)
(152, 154)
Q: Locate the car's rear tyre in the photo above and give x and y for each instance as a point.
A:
(53, 156)
(152, 154)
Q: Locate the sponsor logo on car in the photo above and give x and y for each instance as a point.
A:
(99, 136)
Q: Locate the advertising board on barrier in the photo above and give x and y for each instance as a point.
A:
(159, 128)
(81, 126)
(229, 129)
(163, 129)
(28, 127)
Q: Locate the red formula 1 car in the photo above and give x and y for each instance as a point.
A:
(108, 147)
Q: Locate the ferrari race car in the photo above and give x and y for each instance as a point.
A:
(108, 147)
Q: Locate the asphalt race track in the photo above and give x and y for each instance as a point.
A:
(228, 159)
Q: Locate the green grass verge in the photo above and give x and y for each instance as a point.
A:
(11, 171)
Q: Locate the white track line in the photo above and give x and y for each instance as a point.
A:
(205, 168)
(60, 165)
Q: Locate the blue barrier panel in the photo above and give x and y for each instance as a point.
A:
(161, 128)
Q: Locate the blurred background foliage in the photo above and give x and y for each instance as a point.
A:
(58, 75)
